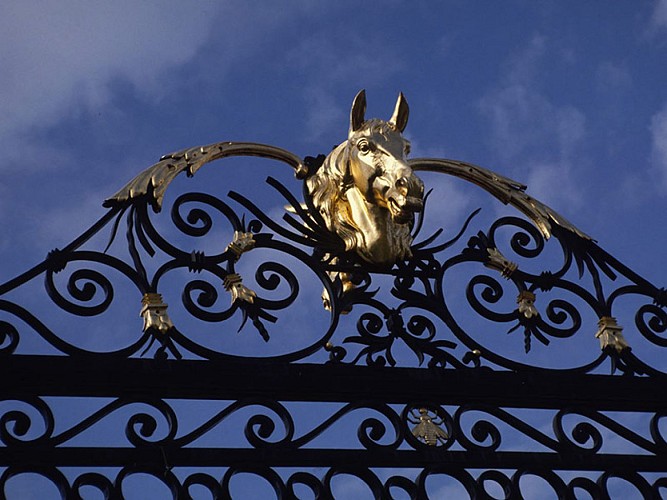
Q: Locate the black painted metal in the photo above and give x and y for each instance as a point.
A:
(347, 395)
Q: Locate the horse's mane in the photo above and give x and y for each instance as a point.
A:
(327, 187)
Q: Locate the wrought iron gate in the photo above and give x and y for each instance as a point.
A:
(406, 382)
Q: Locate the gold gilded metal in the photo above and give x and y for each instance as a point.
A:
(505, 189)
(233, 283)
(498, 262)
(242, 242)
(154, 313)
(427, 429)
(153, 182)
(610, 335)
(365, 190)
(526, 301)
(347, 284)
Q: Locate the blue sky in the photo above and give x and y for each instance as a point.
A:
(568, 97)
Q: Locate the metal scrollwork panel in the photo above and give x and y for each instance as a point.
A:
(241, 268)
(335, 482)
(247, 283)
(477, 306)
(409, 433)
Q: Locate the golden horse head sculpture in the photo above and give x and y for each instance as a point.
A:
(365, 190)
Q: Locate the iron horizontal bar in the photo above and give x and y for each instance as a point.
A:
(279, 457)
(99, 376)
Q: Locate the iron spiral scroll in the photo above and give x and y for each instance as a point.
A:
(474, 434)
(479, 360)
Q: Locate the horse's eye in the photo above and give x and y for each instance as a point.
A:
(363, 146)
(407, 149)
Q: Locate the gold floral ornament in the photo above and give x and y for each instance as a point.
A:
(347, 286)
(158, 324)
(244, 297)
(154, 313)
(427, 430)
(526, 301)
(498, 262)
(242, 242)
(528, 316)
(610, 335)
(233, 283)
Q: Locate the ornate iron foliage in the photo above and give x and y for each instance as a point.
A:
(545, 306)
(468, 311)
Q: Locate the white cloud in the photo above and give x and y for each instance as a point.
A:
(523, 66)
(612, 77)
(658, 130)
(659, 17)
(60, 58)
(64, 223)
(324, 113)
(537, 137)
(340, 60)
(448, 205)
(330, 63)
(548, 184)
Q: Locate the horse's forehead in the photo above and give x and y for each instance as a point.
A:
(381, 133)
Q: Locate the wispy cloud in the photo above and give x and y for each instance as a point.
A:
(543, 177)
(659, 16)
(340, 60)
(324, 112)
(536, 136)
(612, 77)
(63, 64)
(658, 130)
(59, 59)
(328, 64)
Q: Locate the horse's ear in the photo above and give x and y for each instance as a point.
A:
(400, 117)
(358, 111)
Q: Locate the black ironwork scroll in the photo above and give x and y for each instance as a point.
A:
(265, 439)
(408, 305)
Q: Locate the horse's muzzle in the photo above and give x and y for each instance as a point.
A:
(406, 198)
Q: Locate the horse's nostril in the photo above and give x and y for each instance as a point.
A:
(402, 182)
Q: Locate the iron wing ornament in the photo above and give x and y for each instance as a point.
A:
(154, 181)
(365, 190)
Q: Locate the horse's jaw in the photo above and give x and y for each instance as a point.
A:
(393, 246)
(380, 239)
(404, 213)
(401, 196)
